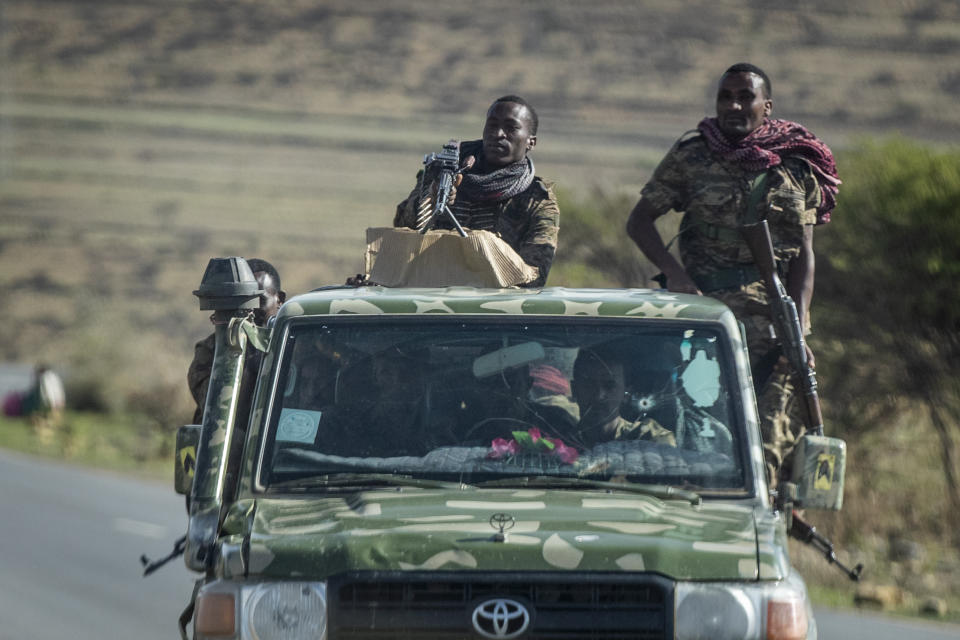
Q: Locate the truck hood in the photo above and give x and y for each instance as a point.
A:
(551, 530)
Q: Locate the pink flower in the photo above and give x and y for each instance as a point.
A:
(501, 447)
(567, 455)
(534, 434)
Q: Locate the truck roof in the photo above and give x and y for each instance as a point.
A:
(550, 301)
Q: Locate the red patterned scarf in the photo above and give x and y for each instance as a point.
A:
(768, 144)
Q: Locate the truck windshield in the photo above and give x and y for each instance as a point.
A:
(480, 400)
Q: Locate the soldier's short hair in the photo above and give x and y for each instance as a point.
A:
(746, 67)
(534, 119)
(256, 265)
(607, 355)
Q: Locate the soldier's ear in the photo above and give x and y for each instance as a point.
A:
(767, 107)
(531, 142)
(282, 296)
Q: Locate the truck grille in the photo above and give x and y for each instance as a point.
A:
(441, 605)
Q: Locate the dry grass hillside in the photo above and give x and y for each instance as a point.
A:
(138, 138)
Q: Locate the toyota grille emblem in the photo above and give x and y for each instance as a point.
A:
(501, 618)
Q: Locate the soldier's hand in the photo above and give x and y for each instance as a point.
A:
(681, 282)
(811, 361)
(458, 178)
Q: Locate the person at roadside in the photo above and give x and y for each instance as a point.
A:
(740, 167)
(497, 190)
(598, 387)
(44, 402)
(272, 298)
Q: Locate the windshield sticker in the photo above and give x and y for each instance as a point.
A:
(298, 425)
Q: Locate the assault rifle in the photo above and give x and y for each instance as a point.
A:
(786, 321)
(149, 566)
(445, 164)
(819, 461)
(807, 534)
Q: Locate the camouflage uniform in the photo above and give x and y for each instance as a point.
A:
(643, 429)
(528, 222)
(714, 196)
(621, 429)
(198, 375)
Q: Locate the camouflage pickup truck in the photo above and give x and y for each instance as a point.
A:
(474, 463)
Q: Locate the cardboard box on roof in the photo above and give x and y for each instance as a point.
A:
(400, 257)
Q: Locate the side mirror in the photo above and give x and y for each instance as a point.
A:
(185, 458)
(818, 472)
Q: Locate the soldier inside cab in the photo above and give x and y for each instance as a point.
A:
(599, 387)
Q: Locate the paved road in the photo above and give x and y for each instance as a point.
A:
(70, 542)
(70, 539)
(847, 625)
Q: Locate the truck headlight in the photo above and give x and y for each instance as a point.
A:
(227, 610)
(743, 611)
(715, 611)
(288, 610)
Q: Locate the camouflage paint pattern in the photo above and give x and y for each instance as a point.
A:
(694, 180)
(314, 536)
(449, 530)
(551, 301)
(215, 440)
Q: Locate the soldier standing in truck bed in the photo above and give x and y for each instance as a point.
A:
(499, 191)
(740, 167)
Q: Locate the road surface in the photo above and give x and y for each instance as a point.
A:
(70, 543)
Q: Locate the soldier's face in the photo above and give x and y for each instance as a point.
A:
(506, 135)
(598, 389)
(741, 105)
(270, 300)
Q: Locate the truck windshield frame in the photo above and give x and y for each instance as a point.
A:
(444, 378)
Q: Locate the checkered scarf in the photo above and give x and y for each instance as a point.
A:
(493, 186)
(769, 143)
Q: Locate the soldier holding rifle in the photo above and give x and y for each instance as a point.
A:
(736, 169)
(496, 189)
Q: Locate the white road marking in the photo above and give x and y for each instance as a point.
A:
(139, 528)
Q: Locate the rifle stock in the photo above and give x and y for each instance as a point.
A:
(786, 320)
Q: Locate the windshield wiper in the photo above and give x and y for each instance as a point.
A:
(341, 480)
(662, 491)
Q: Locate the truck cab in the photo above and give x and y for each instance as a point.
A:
(459, 462)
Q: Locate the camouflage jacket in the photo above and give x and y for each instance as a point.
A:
(528, 222)
(198, 375)
(644, 429)
(714, 196)
(622, 429)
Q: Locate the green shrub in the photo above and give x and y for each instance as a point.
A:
(594, 249)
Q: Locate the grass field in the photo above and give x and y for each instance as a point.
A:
(137, 139)
(140, 138)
